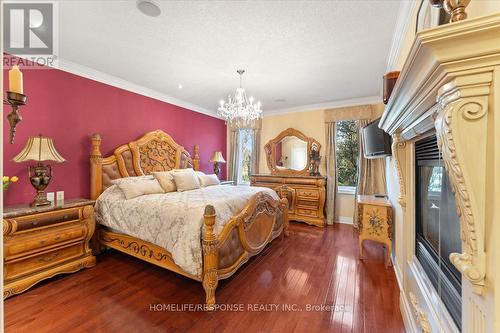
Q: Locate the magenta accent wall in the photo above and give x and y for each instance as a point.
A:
(69, 108)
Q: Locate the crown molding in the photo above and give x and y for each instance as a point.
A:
(92, 74)
(403, 23)
(324, 106)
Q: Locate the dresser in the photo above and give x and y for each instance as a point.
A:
(375, 223)
(305, 194)
(40, 242)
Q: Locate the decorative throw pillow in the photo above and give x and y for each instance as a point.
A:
(185, 180)
(140, 187)
(131, 179)
(166, 180)
(209, 180)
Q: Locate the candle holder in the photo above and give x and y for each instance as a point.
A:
(15, 100)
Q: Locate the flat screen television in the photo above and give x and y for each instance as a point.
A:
(376, 142)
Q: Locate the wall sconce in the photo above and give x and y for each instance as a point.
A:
(15, 99)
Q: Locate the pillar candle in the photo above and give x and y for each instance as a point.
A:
(16, 80)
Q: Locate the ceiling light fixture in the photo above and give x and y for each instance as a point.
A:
(179, 86)
(149, 7)
(239, 108)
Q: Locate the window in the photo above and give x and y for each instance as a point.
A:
(245, 156)
(347, 150)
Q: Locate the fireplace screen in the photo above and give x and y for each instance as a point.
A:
(438, 226)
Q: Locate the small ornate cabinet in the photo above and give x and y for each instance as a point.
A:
(40, 242)
(375, 223)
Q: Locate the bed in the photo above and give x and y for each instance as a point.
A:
(250, 218)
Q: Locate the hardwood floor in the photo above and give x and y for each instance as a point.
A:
(313, 266)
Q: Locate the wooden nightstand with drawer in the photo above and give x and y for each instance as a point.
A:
(40, 242)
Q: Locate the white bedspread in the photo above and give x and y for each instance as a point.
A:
(173, 220)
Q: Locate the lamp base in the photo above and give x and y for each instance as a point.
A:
(40, 176)
(40, 200)
(217, 168)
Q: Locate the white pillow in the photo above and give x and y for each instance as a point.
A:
(166, 180)
(199, 174)
(119, 181)
(140, 187)
(186, 180)
(209, 180)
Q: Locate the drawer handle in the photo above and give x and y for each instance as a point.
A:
(42, 242)
(49, 258)
(65, 217)
(34, 223)
(58, 238)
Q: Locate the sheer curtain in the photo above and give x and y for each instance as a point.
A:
(235, 158)
(371, 172)
(331, 171)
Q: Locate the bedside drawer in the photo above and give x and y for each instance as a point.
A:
(306, 204)
(23, 244)
(307, 212)
(45, 219)
(31, 264)
(307, 194)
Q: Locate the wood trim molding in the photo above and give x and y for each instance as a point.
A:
(271, 152)
(90, 73)
(463, 115)
(399, 160)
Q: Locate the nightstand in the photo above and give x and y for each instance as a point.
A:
(40, 242)
(226, 182)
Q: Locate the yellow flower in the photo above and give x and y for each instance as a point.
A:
(14, 179)
(5, 179)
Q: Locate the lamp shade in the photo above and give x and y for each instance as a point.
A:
(39, 148)
(217, 157)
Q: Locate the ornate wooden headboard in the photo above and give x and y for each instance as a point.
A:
(155, 151)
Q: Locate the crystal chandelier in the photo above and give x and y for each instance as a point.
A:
(239, 108)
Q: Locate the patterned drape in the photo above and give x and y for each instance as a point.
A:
(371, 172)
(331, 171)
(254, 168)
(233, 165)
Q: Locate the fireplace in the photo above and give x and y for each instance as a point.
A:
(437, 225)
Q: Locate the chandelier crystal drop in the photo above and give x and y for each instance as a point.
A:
(239, 108)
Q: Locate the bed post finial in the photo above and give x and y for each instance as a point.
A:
(210, 257)
(96, 145)
(95, 167)
(196, 158)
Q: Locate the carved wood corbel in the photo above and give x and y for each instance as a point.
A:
(420, 315)
(462, 133)
(399, 159)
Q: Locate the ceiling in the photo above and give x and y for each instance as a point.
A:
(296, 53)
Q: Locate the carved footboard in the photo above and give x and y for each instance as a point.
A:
(245, 235)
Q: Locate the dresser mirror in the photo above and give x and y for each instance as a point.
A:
(289, 153)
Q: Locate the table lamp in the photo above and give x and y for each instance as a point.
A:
(217, 159)
(39, 149)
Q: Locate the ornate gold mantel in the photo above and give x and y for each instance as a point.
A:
(450, 83)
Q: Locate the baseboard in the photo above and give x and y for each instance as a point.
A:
(344, 220)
